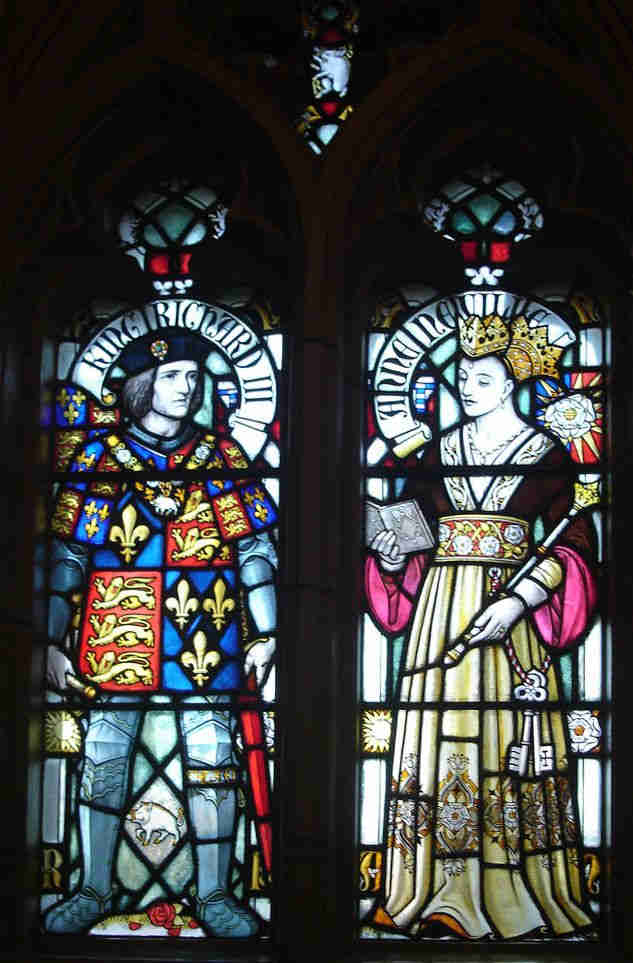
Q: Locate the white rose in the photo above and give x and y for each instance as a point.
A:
(202, 452)
(123, 456)
(489, 545)
(463, 544)
(513, 534)
(511, 815)
(443, 533)
(453, 815)
(164, 505)
(570, 417)
(454, 867)
(585, 730)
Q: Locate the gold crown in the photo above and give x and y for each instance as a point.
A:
(530, 354)
(481, 336)
(526, 350)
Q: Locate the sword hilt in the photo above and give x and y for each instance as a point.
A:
(88, 691)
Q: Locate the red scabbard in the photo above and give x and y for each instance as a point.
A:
(255, 748)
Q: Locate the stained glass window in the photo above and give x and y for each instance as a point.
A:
(156, 584)
(484, 668)
(331, 29)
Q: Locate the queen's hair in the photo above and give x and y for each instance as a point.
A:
(509, 372)
(138, 392)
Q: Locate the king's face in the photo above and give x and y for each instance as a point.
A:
(174, 385)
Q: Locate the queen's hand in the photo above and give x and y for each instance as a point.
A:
(386, 547)
(495, 621)
(491, 625)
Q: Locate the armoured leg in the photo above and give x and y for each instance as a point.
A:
(212, 806)
(258, 560)
(101, 797)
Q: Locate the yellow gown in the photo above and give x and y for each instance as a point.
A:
(470, 846)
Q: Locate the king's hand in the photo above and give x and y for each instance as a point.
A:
(58, 668)
(259, 656)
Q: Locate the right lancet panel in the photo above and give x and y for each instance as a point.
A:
(484, 757)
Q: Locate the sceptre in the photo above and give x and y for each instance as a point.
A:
(586, 495)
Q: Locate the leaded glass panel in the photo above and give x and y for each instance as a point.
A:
(156, 587)
(484, 724)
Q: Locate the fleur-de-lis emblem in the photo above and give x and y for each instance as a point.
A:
(92, 509)
(85, 461)
(130, 534)
(260, 512)
(182, 606)
(219, 604)
(202, 661)
(70, 404)
(92, 527)
(250, 497)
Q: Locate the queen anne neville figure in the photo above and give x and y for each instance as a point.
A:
(482, 836)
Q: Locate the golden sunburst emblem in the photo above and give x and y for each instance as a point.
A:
(376, 730)
(62, 732)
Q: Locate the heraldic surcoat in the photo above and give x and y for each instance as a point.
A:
(162, 610)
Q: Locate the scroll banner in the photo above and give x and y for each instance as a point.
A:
(407, 348)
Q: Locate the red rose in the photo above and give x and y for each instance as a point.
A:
(193, 925)
(174, 931)
(162, 914)
(134, 925)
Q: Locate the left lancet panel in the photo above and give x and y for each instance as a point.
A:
(157, 559)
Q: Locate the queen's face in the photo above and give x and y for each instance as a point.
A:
(174, 385)
(483, 385)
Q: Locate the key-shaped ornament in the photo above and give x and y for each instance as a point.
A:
(532, 689)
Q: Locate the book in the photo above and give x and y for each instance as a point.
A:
(404, 518)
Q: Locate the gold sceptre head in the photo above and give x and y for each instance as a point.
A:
(586, 495)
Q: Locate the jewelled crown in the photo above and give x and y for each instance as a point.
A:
(526, 349)
(482, 336)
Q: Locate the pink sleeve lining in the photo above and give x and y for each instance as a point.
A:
(388, 595)
(563, 619)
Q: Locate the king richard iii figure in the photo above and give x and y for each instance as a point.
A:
(175, 566)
